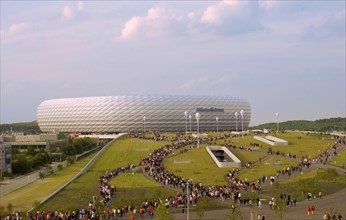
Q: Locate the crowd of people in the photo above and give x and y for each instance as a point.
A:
(189, 192)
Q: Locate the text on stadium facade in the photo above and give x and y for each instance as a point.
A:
(210, 110)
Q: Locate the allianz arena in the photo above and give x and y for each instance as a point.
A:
(164, 113)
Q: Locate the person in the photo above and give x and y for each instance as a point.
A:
(320, 194)
(340, 217)
(308, 210)
(312, 209)
(326, 216)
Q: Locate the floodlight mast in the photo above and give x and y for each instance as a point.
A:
(236, 122)
(190, 122)
(187, 201)
(185, 113)
(144, 124)
(242, 122)
(277, 122)
(217, 124)
(197, 118)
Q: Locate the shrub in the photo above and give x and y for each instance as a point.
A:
(60, 167)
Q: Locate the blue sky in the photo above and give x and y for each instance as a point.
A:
(281, 56)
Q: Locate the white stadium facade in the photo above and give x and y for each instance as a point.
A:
(164, 113)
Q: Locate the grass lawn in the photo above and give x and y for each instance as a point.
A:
(308, 145)
(311, 146)
(340, 160)
(325, 181)
(24, 198)
(201, 168)
(247, 156)
(260, 170)
(134, 189)
(245, 142)
(81, 191)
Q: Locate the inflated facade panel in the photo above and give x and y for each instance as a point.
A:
(162, 113)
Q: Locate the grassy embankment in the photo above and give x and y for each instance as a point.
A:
(25, 197)
(133, 188)
(299, 144)
(202, 166)
(326, 181)
(121, 153)
(340, 160)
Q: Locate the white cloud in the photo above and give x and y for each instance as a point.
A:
(67, 12)
(80, 5)
(14, 32)
(155, 13)
(191, 15)
(131, 28)
(225, 17)
(151, 25)
(232, 17)
(17, 28)
(215, 14)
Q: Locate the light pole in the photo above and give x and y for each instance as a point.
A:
(187, 201)
(190, 122)
(185, 113)
(242, 122)
(197, 118)
(144, 124)
(217, 124)
(236, 122)
(277, 122)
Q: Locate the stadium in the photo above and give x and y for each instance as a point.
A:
(164, 113)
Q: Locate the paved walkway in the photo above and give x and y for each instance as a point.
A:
(10, 185)
(336, 201)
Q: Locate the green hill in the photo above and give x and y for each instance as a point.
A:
(25, 127)
(323, 125)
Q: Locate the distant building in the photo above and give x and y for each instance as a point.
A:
(22, 142)
(164, 113)
(5, 158)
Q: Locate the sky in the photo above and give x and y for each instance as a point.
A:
(281, 56)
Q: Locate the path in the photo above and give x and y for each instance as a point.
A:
(336, 201)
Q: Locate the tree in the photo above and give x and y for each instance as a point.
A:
(70, 160)
(280, 208)
(202, 204)
(9, 208)
(235, 213)
(69, 149)
(35, 204)
(21, 165)
(31, 151)
(49, 169)
(162, 213)
(41, 175)
(2, 209)
(60, 167)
